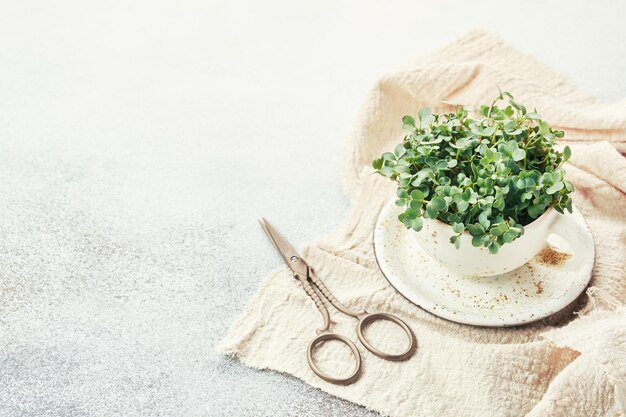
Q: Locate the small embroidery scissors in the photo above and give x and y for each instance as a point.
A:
(316, 289)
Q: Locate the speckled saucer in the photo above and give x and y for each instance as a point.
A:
(540, 288)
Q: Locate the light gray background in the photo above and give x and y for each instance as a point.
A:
(141, 140)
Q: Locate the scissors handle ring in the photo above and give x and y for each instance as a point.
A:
(324, 337)
(368, 318)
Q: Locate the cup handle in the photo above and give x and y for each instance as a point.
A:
(573, 233)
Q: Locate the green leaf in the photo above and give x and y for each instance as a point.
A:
(427, 120)
(462, 205)
(424, 189)
(406, 220)
(498, 202)
(442, 165)
(558, 186)
(399, 151)
(467, 194)
(417, 205)
(411, 213)
(417, 224)
(417, 195)
(461, 143)
(388, 156)
(494, 247)
(431, 212)
(417, 181)
(519, 154)
(476, 229)
(452, 163)
(567, 153)
(544, 127)
(423, 114)
(509, 236)
(438, 203)
(401, 168)
(483, 219)
(499, 229)
(458, 227)
(408, 123)
(510, 147)
(535, 210)
(530, 183)
(477, 241)
(386, 171)
(499, 115)
(377, 163)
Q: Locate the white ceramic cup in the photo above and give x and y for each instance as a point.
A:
(435, 235)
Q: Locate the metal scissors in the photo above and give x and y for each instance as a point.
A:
(316, 289)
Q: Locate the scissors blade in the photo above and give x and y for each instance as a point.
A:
(289, 255)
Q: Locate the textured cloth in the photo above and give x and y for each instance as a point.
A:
(570, 364)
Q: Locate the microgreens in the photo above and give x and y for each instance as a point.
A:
(490, 176)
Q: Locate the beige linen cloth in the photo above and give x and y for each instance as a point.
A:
(571, 364)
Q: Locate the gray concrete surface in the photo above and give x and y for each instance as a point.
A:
(139, 142)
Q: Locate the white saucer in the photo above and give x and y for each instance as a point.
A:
(534, 291)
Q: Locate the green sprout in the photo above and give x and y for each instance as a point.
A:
(490, 176)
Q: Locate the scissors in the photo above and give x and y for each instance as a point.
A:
(316, 289)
